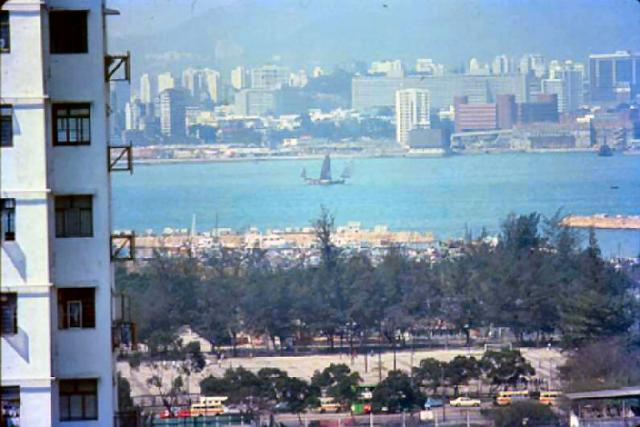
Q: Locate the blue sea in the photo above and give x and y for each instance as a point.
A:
(438, 194)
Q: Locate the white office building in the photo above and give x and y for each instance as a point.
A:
(269, 77)
(502, 64)
(148, 89)
(173, 113)
(391, 68)
(239, 78)
(56, 282)
(165, 81)
(412, 112)
(566, 80)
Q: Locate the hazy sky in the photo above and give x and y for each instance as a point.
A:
(224, 33)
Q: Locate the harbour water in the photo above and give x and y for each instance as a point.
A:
(438, 194)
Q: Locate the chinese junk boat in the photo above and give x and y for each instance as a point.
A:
(325, 175)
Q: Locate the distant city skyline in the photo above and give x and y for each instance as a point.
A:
(225, 34)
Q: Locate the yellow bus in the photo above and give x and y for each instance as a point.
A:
(208, 405)
(505, 398)
(549, 397)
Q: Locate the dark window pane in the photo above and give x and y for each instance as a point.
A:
(74, 216)
(72, 124)
(5, 33)
(78, 399)
(9, 314)
(76, 309)
(68, 31)
(6, 126)
(8, 219)
(10, 404)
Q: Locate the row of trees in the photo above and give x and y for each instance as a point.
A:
(398, 391)
(537, 280)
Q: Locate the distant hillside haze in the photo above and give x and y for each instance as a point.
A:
(173, 34)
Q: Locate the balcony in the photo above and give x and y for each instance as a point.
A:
(117, 68)
(121, 158)
(123, 246)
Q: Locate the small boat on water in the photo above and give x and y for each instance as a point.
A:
(605, 150)
(325, 174)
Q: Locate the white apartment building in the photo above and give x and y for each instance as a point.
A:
(412, 112)
(56, 282)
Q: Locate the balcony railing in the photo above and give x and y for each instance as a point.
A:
(117, 68)
(120, 158)
(123, 247)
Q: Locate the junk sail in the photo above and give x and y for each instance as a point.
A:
(325, 174)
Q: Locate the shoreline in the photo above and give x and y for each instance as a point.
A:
(152, 162)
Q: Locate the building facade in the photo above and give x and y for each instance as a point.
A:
(173, 113)
(56, 283)
(269, 77)
(412, 112)
(614, 77)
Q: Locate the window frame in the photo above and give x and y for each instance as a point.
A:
(66, 397)
(6, 119)
(9, 301)
(9, 394)
(84, 298)
(5, 23)
(8, 215)
(57, 42)
(65, 230)
(79, 122)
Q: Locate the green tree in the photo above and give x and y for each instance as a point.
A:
(599, 303)
(396, 392)
(523, 413)
(338, 381)
(506, 367)
(430, 373)
(460, 370)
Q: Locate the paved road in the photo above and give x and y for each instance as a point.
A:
(345, 419)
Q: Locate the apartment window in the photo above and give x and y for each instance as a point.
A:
(72, 124)
(76, 308)
(10, 405)
(78, 400)
(8, 219)
(5, 34)
(68, 31)
(74, 216)
(9, 319)
(6, 125)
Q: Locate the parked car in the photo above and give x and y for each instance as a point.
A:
(432, 402)
(282, 407)
(465, 402)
